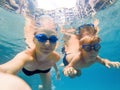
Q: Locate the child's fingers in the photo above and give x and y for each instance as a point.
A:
(65, 72)
(116, 64)
(113, 64)
(72, 70)
(107, 65)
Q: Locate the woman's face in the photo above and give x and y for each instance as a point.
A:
(46, 41)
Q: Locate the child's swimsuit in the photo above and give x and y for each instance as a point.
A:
(65, 62)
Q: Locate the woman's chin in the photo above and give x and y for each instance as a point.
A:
(46, 51)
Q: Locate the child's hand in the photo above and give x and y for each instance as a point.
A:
(70, 71)
(110, 63)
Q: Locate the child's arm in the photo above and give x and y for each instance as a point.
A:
(57, 72)
(70, 69)
(108, 63)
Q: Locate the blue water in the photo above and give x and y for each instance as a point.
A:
(96, 77)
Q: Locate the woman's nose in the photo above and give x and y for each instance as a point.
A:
(47, 43)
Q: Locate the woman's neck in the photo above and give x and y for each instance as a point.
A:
(41, 56)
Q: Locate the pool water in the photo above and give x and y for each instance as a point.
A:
(96, 77)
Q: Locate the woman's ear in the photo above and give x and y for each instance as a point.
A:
(34, 40)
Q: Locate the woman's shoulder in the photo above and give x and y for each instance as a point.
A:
(27, 54)
(56, 56)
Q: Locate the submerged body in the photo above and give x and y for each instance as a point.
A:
(87, 47)
(38, 59)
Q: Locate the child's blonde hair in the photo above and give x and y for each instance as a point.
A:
(90, 40)
(88, 30)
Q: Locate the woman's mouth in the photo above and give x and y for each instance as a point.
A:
(46, 50)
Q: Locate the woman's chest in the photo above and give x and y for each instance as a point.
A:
(40, 64)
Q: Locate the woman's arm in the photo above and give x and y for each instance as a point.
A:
(15, 64)
(13, 82)
(57, 72)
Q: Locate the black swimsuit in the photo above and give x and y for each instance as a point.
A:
(65, 62)
(29, 73)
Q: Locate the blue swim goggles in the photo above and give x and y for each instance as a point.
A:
(82, 26)
(89, 47)
(43, 38)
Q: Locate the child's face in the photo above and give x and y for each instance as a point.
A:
(90, 51)
(90, 47)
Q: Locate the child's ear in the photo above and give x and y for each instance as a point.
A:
(82, 40)
(81, 43)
